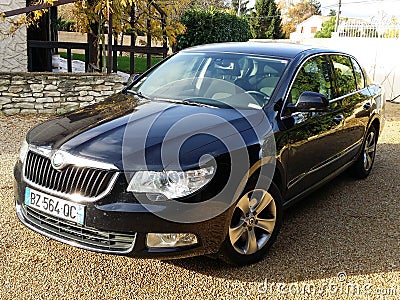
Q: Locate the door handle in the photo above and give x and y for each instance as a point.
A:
(338, 119)
(367, 106)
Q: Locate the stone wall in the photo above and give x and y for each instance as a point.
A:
(28, 93)
(13, 50)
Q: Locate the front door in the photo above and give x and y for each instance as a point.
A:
(314, 137)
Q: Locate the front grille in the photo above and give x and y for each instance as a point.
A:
(87, 182)
(85, 237)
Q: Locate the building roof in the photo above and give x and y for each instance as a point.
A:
(314, 18)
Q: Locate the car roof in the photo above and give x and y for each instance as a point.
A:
(283, 50)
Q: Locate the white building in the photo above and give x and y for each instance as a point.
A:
(308, 28)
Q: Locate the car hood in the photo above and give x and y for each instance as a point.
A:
(131, 133)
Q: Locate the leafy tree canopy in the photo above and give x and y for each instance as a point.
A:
(327, 28)
(207, 4)
(243, 7)
(89, 12)
(297, 13)
(265, 20)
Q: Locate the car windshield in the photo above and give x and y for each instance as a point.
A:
(213, 79)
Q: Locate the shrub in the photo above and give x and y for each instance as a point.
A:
(212, 26)
(327, 28)
(65, 25)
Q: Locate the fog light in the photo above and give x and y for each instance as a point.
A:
(170, 240)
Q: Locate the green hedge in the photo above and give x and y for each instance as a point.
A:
(212, 26)
(65, 25)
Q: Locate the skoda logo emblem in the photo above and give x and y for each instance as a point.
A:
(57, 161)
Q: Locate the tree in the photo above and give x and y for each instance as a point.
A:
(265, 20)
(327, 28)
(297, 13)
(144, 13)
(91, 16)
(92, 12)
(243, 7)
(212, 26)
(332, 13)
(66, 12)
(207, 4)
(317, 6)
(8, 26)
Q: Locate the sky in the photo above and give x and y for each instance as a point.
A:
(358, 8)
(362, 8)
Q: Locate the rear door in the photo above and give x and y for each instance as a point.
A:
(355, 98)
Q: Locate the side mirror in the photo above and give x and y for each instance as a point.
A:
(311, 101)
(132, 79)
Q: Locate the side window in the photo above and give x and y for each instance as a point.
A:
(314, 76)
(360, 80)
(344, 75)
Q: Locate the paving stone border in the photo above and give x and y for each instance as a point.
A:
(50, 93)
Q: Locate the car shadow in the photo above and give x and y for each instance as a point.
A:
(347, 226)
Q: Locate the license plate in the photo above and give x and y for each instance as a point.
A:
(54, 206)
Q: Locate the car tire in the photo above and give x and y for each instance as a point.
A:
(254, 225)
(363, 165)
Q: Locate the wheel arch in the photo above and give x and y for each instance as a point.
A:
(377, 124)
(278, 177)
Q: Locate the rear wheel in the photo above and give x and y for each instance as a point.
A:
(363, 165)
(254, 225)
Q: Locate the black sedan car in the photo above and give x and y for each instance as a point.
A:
(201, 154)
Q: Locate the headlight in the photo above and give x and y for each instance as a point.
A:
(23, 151)
(171, 184)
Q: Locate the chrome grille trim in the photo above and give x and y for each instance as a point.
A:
(75, 234)
(38, 173)
(72, 159)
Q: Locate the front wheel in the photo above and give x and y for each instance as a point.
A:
(363, 165)
(254, 225)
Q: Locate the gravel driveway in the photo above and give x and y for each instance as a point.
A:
(350, 228)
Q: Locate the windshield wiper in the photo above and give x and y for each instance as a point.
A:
(138, 94)
(185, 102)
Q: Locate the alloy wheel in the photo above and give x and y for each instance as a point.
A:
(369, 150)
(253, 221)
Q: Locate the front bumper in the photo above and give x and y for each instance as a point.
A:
(120, 228)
